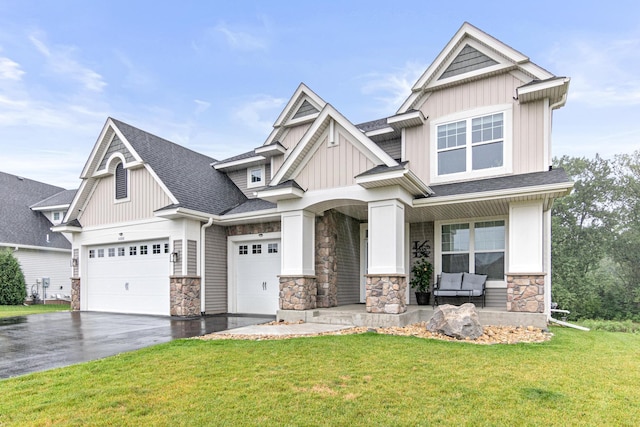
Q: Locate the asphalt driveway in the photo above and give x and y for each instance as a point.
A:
(52, 340)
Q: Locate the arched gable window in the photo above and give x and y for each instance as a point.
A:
(121, 182)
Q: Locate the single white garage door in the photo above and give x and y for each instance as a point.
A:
(129, 278)
(257, 270)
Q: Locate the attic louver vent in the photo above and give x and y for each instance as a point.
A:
(305, 109)
(469, 59)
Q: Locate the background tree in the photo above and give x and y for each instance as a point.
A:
(596, 238)
(12, 286)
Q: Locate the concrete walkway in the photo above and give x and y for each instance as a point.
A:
(285, 329)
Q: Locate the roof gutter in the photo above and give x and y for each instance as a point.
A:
(203, 270)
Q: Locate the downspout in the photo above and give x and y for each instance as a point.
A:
(202, 263)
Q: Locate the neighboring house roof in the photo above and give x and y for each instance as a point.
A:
(19, 224)
(554, 176)
(187, 174)
(63, 198)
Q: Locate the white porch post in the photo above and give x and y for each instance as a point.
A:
(297, 280)
(386, 281)
(525, 270)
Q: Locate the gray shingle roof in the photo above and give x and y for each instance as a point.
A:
(373, 125)
(383, 169)
(186, 173)
(19, 225)
(65, 197)
(554, 176)
(251, 205)
(246, 155)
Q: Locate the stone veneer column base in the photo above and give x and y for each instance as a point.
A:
(386, 294)
(184, 296)
(525, 292)
(75, 294)
(298, 292)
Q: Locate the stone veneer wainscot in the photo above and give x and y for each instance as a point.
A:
(185, 296)
(525, 292)
(386, 294)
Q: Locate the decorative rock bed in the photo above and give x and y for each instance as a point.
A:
(491, 335)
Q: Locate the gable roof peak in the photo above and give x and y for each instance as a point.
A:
(473, 54)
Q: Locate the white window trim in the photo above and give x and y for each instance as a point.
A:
(507, 161)
(437, 252)
(256, 184)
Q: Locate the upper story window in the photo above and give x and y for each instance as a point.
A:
(122, 187)
(255, 176)
(475, 146)
(57, 217)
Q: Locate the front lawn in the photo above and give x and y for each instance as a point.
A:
(24, 310)
(577, 378)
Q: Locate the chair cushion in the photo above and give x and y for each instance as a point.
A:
(446, 293)
(473, 282)
(450, 281)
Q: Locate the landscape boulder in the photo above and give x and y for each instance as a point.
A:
(457, 322)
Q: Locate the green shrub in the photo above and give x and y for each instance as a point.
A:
(612, 325)
(12, 286)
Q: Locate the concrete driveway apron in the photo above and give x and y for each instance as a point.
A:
(52, 340)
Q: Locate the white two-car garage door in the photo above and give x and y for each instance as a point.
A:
(129, 278)
(257, 269)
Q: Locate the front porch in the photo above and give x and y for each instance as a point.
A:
(356, 315)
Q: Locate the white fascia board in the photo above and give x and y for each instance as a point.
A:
(466, 31)
(378, 132)
(37, 248)
(66, 229)
(542, 86)
(273, 149)
(240, 162)
(329, 112)
(183, 213)
(410, 181)
(278, 194)
(50, 208)
(72, 212)
(301, 91)
(94, 152)
(126, 143)
(248, 217)
(303, 119)
(411, 117)
(539, 190)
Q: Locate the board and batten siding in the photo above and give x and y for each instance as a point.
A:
(289, 141)
(527, 131)
(36, 264)
(215, 265)
(145, 196)
(348, 259)
(333, 166)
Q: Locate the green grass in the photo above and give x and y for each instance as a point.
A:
(25, 310)
(578, 378)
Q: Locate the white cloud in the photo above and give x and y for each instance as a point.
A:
(10, 70)
(603, 72)
(260, 113)
(61, 61)
(201, 106)
(391, 89)
(241, 40)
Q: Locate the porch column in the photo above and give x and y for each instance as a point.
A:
(386, 281)
(297, 280)
(526, 287)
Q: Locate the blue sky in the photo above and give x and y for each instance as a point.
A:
(213, 76)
